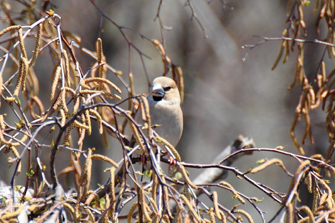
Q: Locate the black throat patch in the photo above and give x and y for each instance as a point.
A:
(157, 98)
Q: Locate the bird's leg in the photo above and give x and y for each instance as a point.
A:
(171, 161)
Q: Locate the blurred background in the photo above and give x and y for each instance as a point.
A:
(224, 97)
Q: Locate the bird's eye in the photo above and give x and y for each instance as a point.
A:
(167, 88)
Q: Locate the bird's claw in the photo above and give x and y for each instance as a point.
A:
(171, 162)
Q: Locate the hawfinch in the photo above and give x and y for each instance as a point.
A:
(165, 110)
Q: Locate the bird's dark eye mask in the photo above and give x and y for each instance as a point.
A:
(167, 88)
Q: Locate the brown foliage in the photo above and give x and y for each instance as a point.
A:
(79, 98)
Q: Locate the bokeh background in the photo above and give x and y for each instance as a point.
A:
(224, 96)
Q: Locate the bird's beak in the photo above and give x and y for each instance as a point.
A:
(157, 91)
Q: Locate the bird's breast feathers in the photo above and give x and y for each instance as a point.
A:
(170, 118)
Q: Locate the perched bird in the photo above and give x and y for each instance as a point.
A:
(165, 110)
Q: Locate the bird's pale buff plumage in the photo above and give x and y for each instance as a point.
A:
(165, 110)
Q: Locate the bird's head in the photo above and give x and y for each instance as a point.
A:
(164, 88)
